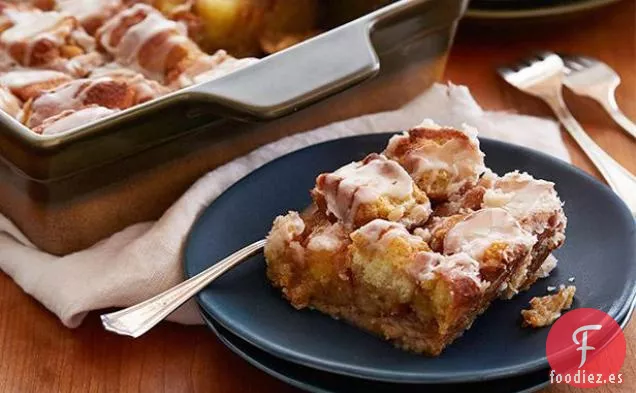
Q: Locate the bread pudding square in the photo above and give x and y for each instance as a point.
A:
(370, 251)
(375, 187)
(443, 161)
(388, 281)
(379, 277)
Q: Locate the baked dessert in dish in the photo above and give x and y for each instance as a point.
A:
(52, 40)
(104, 91)
(91, 14)
(30, 83)
(141, 38)
(69, 63)
(71, 118)
(374, 250)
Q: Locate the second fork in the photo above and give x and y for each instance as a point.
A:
(542, 77)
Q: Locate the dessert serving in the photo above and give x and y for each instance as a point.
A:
(414, 243)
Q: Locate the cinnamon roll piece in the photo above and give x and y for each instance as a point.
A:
(52, 40)
(141, 38)
(443, 161)
(144, 40)
(145, 89)
(70, 119)
(90, 13)
(30, 83)
(105, 92)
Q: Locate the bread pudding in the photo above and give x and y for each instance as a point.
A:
(412, 244)
(64, 63)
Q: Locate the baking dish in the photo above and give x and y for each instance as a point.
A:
(47, 183)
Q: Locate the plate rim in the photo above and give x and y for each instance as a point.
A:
(210, 324)
(369, 373)
(477, 13)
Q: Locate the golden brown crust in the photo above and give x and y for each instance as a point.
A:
(379, 285)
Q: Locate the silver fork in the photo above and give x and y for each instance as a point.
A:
(592, 78)
(542, 76)
(138, 319)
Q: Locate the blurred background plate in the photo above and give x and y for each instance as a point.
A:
(515, 9)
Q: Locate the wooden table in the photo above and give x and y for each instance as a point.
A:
(37, 354)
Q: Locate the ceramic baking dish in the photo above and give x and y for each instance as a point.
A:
(67, 191)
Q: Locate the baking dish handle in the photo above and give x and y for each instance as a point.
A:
(287, 81)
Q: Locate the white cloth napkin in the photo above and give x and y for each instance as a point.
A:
(145, 259)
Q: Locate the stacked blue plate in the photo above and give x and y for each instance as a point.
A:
(320, 354)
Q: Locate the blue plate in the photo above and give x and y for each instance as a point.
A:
(599, 252)
(317, 381)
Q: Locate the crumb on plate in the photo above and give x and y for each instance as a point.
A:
(545, 310)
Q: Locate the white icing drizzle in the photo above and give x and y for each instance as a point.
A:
(326, 239)
(379, 233)
(86, 10)
(479, 230)
(71, 119)
(363, 182)
(29, 24)
(29, 27)
(145, 89)
(9, 103)
(428, 264)
(114, 70)
(70, 96)
(22, 78)
(524, 196)
(126, 51)
(547, 266)
(285, 229)
(462, 164)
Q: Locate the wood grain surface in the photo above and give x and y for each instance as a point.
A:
(38, 354)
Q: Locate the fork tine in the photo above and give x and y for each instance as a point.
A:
(505, 72)
(587, 61)
(573, 63)
(545, 54)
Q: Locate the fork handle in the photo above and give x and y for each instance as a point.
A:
(611, 106)
(618, 177)
(138, 319)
